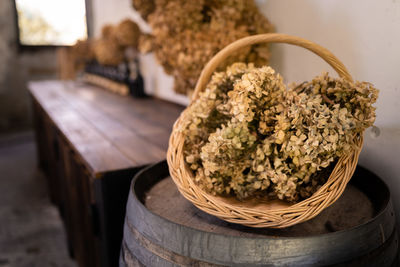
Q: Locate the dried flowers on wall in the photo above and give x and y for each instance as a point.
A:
(248, 135)
(108, 52)
(186, 34)
(110, 48)
(81, 53)
(127, 33)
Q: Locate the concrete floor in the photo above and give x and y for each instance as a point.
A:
(31, 230)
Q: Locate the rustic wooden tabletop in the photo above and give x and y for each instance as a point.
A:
(110, 132)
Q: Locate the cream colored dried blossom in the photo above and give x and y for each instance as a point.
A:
(188, 33)
(248, 135)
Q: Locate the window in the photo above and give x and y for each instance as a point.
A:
(51, 22)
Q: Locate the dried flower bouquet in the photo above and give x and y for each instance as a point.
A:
(248, 135)
(187, 34)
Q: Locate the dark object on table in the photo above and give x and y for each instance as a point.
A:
(90, 144)
(162, 229)
(127, 74)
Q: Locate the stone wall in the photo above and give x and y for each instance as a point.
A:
(17, 67)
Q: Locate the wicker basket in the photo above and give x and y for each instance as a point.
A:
(254, 213)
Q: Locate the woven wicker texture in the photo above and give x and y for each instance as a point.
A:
(254, 213)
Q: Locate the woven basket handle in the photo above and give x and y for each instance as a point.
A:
(267, 38)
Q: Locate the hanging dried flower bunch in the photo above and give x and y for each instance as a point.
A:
(108, 52)
(248, 135)
(82, 50)
(188, 33)
(110, 48)
(81, 53)
(107, 31)
(144, 7)
(145, 43)
(127, 33)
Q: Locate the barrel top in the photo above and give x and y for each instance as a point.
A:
(352, 209)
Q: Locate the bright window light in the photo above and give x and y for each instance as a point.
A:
(51, 22)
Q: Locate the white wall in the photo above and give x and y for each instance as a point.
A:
(364, 34)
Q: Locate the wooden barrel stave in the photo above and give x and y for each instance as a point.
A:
(145, 252)
(382, 256)
(127, 258)
(385, 255)
(191, 247)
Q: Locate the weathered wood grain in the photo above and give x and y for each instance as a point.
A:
(108, 131)
(96, 151)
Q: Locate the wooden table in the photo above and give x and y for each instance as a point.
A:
(90, 144)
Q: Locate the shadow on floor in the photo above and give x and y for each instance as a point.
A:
(31, 230)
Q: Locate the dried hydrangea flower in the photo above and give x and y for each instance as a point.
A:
(107, 31)
(248, 135)
(145, 44)
(82, 53)
(144, 7)
(127, 33)
(187, 34)
(108, 52)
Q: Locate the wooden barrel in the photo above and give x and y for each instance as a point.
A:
(164, 229)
